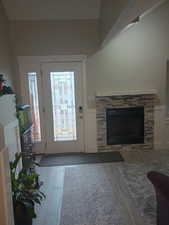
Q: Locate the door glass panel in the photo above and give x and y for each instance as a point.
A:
(34, 103)
(63, 104)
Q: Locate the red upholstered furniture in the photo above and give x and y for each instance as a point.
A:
(161, 185)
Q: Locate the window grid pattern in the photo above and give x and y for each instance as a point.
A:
(63, 104)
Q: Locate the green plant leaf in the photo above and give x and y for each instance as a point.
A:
(25, 187)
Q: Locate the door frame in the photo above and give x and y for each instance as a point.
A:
(33, 63)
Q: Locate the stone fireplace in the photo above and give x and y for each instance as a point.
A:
(125, 122)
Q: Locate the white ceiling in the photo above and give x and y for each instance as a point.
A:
(52, 9)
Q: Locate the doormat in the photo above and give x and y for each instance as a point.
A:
(80, 158)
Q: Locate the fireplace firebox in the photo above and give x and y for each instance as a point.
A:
(125, 125)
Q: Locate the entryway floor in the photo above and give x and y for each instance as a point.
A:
(137, 164)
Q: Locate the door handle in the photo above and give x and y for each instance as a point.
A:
(80, 109)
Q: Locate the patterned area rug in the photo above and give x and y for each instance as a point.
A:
(89, 197)
(93, 194)
(140, 189)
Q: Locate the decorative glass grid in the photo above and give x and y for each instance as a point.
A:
(34, 103)
(63, 104)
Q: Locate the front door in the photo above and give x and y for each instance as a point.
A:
(63, 107)
(55, 95)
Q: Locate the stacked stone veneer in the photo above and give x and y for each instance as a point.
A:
(125, 101)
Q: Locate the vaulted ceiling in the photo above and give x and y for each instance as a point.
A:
(113, 15)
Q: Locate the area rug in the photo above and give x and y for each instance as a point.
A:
(82, 158)
(140, 189)
(92, 195)
(89, 197)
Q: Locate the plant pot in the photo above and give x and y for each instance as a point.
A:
(21, 215)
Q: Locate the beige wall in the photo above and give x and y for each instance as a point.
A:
(110, 11)
(134, 60)
(130, 9)
(6, 58)
(38, 38)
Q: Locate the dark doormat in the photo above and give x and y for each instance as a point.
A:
(81, 158)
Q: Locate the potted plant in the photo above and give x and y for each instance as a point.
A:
(4, 89)
(1, 84)
(25, 192)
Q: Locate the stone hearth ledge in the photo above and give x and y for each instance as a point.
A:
(127, 92)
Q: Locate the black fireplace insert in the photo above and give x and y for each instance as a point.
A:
(125, 126)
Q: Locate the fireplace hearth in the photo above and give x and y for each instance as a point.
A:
(125, 126)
